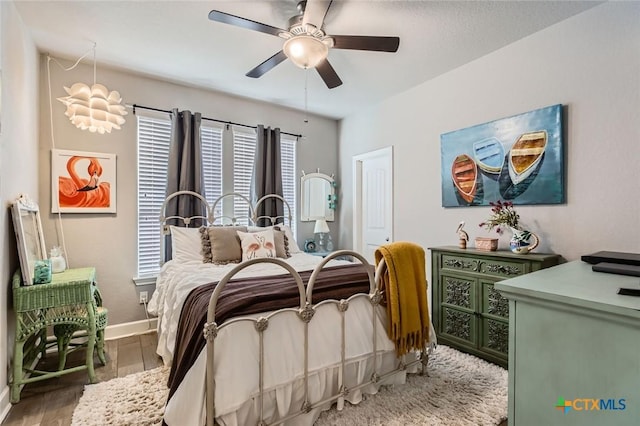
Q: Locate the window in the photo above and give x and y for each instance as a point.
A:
(154, 135)
(153, 157)
(212, 162)
(244, 147)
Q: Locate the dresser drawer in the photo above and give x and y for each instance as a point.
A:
(499, 268)
(459, 263)
(503, 268)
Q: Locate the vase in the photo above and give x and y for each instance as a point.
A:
(523, 241)
(58, 264)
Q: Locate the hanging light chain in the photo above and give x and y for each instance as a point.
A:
(94, 63)
(306, 106)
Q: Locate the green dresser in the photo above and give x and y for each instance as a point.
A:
(468, 313)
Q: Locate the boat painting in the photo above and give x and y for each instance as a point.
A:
(518, 158)
(464, 173)
(489, 155)
(525, 155)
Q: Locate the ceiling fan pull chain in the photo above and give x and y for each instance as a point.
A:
(306, 109)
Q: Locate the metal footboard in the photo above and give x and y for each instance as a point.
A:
(305, 313)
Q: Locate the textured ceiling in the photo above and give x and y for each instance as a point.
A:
(175, 41)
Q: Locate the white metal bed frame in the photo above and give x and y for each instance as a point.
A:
(305, 313)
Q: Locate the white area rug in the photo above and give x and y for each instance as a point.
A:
(460, 390)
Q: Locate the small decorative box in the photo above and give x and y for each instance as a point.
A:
(486, 244)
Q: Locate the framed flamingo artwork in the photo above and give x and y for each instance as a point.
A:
(83, 182)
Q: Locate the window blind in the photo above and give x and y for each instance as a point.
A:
(154, 136)
(244, 147)
(212, 162)
(289, 179)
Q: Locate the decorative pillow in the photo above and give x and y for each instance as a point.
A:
(221, 245)
(291, 241)
(282, 243)
(257, 244)
(293, 244)
(185, 244)
(279, 239)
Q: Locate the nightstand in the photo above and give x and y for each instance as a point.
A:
(327, 253)
(70, 302)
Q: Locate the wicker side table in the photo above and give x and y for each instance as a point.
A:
(68, 300)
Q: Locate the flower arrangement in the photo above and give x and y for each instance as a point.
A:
(502, 214)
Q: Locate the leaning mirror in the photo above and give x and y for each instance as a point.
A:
(28, 229)
(317, 197)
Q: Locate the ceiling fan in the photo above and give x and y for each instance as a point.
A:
(306, 43)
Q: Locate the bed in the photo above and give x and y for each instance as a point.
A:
(269, 340)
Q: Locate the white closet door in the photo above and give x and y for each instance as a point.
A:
(373, 218)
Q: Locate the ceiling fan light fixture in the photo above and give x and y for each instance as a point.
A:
(305, 51)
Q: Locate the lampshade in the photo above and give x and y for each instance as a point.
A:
(321, 227)
(95, 108)
(305, 51)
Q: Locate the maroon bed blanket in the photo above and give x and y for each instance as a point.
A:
(253, 295)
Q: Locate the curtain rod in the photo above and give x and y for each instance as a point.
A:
(134, 106)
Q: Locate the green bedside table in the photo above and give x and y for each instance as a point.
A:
(70, 302)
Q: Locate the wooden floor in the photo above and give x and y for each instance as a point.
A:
(51, 402)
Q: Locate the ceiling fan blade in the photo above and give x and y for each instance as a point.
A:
(315, 11)
(328, 74)
(378, 44)
(267, 65)
(226, 18)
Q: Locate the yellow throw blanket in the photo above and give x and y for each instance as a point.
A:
(405, 289)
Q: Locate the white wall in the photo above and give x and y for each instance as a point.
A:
(589, 63)
(18, 159)
(108, 241)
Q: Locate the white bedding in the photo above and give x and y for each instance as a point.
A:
(176, 280)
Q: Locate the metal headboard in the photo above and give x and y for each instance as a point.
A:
(273, 219)
(165, 230)
(233, 219)
(211, 218)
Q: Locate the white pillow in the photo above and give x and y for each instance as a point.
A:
(186, 244)
(257, 244)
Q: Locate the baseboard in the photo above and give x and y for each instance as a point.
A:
(5, 404)
(133, 328)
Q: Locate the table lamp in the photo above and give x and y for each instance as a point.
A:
(321, 230)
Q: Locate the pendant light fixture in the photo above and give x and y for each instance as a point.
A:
(94, 108)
